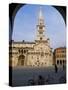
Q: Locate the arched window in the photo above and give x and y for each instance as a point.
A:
(58, 62)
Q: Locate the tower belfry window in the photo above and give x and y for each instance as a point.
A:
(40, 32)
(40, 27)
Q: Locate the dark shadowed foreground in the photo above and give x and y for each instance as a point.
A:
(37, 76)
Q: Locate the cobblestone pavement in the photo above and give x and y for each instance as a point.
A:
(32, 76)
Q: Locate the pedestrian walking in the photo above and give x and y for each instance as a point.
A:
(41, 80)
(56, 68)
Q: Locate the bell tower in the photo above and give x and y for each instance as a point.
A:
(40, 27)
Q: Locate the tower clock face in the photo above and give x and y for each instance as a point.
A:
(40, 38)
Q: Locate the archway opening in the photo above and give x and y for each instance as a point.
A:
(21, 60)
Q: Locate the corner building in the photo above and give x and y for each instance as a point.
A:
(60, 56)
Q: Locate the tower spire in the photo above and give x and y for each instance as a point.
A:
(40, 17)
(40, 13)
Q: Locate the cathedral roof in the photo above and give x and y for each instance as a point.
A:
(22, 42)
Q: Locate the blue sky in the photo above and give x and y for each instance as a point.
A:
(26, 20)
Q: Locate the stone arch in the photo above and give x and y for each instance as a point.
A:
(14, 7)
(21, 60)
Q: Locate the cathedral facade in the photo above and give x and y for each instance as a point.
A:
(34, 54)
